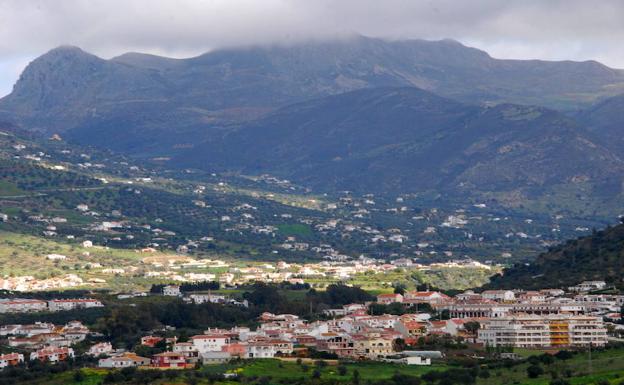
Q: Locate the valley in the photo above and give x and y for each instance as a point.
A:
(105, 215)
(336, 211)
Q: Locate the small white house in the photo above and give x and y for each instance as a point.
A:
(100, 349)
(210, 342)
(416, 360)
(172, 290)
(56, 257)
(82, 207)
(499, 295)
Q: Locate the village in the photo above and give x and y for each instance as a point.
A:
(157, 267)
(552, 319)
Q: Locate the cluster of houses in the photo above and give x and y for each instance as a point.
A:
(545, 319)
(357, 336)
(291, 272)
(46, 342)
(548, 318)
(510, 318)
(25, 305)
(528, 319)
(29, 283)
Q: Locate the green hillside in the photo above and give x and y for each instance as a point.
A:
(599, 256)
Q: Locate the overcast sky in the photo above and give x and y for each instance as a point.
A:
(522, 29)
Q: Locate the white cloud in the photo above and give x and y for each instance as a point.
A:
(555, 29)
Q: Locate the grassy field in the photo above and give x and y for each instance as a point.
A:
(8, 189)
(280, 370)
(295, 230)
(605, 366)
(22, 254)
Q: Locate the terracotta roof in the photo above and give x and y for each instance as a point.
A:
(207, 336)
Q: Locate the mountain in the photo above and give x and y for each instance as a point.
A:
(606, 118)
(410, 140)
(599, 256)
(147, 104)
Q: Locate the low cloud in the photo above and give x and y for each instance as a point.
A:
(555, 30)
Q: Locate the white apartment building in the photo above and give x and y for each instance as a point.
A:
(588, 286)
(70, 304)
(21, 305)
(479, 310)
(532, 331)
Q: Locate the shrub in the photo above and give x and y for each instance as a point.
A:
(534, 371)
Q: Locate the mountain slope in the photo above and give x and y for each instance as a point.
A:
(406, 139)
(599, 256)
(607, 120)
(70, 89)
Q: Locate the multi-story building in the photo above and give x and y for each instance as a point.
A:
(21, 305)
(172, 291)
(99, 349)
(373, 346)
(210, 342)
(478, 310)
(586, 286)
(499, 295)
(51, 354)
(169, 360)
(340, 344)
(532, 331)
(389, 298)
(430, 297)
(187, 349)
(70, 304)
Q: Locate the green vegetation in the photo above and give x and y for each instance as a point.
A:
(8, 188)
(599, 256)
(607, 368)
(368, 371)
(295, 230)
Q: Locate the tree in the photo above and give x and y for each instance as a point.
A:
(534, 371)
(563, 355)
(399, 288)
(399, 345)
(320, 364)
(78, 376)
(472, 327)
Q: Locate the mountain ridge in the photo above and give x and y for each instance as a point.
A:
(410, 140)
(262, 78)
